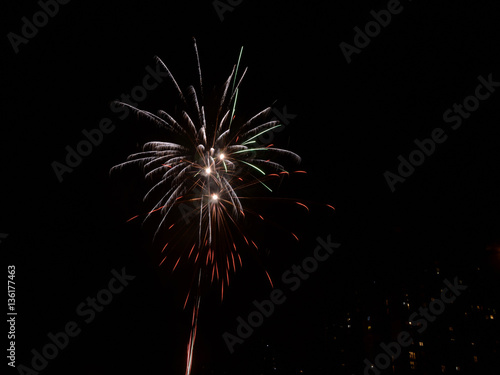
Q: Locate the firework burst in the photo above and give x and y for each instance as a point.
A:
(209, 167)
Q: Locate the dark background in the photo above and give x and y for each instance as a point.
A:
(353, 120)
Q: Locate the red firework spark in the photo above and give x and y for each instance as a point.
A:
(209, 167)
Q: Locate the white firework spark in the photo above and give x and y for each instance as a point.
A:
(211, 163)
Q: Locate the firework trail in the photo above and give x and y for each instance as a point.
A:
(212, 163)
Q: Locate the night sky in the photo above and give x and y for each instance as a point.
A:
(349, 121)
